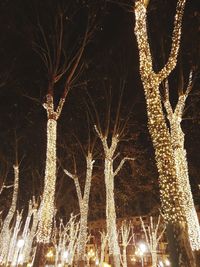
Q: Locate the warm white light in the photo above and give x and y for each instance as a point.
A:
(49, 254)
(20, 243)
(97, 262)
(66, 255)
(161, 264)
(167, 262)
(143, 247)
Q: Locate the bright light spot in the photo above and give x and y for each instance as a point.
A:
(97, 261)
(20, 259)
(91, 253)
(49, 254)
(20, 243)
(65, 254)
(167, 262)
(161, 264)
(142, 247)
(106, 264)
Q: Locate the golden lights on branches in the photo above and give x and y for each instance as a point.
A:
(177, 139)
(170, 195)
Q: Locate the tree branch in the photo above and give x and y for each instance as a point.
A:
(121, 165)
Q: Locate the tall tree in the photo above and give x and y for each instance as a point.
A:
(175, 117)
(83, 199)
(180, 249)
(110, 140)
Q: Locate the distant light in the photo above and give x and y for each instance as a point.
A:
(161, 264)
(143, 247)
(65, 254)
(97, 262)
(20, 243)
(167, 262)
(49, 254)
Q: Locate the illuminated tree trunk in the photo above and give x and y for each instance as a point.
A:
(6, 233)
(110, 174)
(171, 198)
(84, 205)
(126, 235)
(153, 235)
(47, 205)
(177, 139)
(104, 239)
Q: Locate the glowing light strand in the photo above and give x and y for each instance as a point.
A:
(83, 204)
(6, 233)
(127, 235)
(47, 205)
(170, 195)
(109, 174)
(177, 137)
(153, 234)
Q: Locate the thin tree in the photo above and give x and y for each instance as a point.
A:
(180, 249)
(6, 231)
(110, 142)
(153, 234)
(83, 199)
(126, 231)
(175, 117)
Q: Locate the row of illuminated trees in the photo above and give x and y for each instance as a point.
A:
(178, 209)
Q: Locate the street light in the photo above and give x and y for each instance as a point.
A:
(167, 262)
(20, 244)
(142, 248)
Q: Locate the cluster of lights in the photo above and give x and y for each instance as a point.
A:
(177, 138)
(153, 235)
(6, 233)
(47, 205)
(170, 195)
(109, 175)
(83, 204)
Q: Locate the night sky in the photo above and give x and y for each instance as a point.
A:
(109, 62)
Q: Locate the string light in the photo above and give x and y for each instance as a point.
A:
(170, 194)
(177, 137)
(47, 205)
(83, 204)
(6, 233)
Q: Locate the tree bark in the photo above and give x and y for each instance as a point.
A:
(47, 205)
(39, 259)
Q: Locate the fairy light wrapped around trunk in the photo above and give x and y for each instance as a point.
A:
(109, 175)
(6, 233)
(47, 204)
(153, 234)
(177, 137)
(83, 204)
(171, 198)
(126, 236)
(170, 194)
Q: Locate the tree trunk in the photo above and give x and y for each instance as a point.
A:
(81, 263)
(47, 205)
(180, 251)
(39, 259)
(82, 237)
(114, 249)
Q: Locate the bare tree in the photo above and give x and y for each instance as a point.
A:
(6, 232)
(83, 199)
(126, 231)
(153, 234)
(110, 142)
(175, 117)
(104, 240)
(180, 249)
(66, 68)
